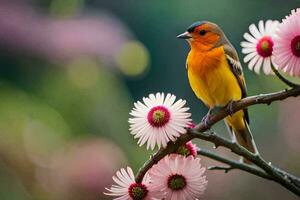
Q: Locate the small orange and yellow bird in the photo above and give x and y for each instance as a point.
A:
(216, 76)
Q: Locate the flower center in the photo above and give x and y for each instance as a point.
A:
(295, 46)
(264, 46)
(176, 182)
(187, 149)
(158, 116)
(183, 150)
(137, 191)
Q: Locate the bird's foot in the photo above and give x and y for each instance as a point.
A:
(206, 119)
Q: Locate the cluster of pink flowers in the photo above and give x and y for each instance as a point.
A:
(156, 121)
(274, 43)
(175, 177)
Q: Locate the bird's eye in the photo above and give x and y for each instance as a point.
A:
(202, 32)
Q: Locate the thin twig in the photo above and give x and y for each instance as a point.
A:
(226, 169)
(232, 164)
(239, 165)
(256, 159)
(282, 78)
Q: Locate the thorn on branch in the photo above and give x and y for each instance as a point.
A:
(230, 107)
(285, 176)
(258, 98)
(211, 133)
(224, 168)
(208, 133)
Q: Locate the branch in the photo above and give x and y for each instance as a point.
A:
(277, 175)
(161, 153)
(294, 179)
(232, 164)
(249, 101)
(285, 179)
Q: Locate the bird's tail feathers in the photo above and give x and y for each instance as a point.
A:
(244, 138)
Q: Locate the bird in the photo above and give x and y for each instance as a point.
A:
(216, 77)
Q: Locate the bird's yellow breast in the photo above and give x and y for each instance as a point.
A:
(211, 78)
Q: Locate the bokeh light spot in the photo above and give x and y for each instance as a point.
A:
(133, 58)
(83, 73)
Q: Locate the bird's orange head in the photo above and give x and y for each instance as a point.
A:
(203, 35)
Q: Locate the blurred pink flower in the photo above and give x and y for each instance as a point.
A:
(191, 125)
(179, 177)
(26, 31)
(128, 189)
(287, 44)
(82, 170)
(159, 119)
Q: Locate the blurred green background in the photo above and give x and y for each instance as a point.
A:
(70, 71)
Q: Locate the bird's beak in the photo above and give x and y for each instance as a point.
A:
(185, 35)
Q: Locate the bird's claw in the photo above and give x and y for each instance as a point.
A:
(206, 120)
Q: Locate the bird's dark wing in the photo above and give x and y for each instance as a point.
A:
(236, 68)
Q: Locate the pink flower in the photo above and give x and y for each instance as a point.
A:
(191, 125)
(158, 120)
(287, 44)
(128, 189)
(258, 46)
(187, 149)
(178, 177)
